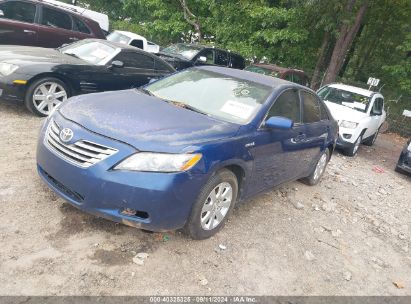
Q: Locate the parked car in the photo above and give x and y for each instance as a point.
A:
(37, 23)
(404, 162)
(100, 18)
(133, 40)
(185, 149)
(359, 112)
(43, 78)
(183, 55)
(293, 75)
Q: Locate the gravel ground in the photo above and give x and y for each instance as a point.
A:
(349, 235)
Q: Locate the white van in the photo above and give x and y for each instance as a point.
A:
(100, 18)
(133, 40)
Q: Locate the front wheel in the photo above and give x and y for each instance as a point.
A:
(45, 94)
(353, 149)
(214, 204)
(315, 177)
(371, 141)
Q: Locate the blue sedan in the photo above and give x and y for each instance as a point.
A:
(183, 151)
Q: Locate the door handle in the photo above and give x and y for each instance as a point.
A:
(73, 39)
(299, 138)
(29, 32)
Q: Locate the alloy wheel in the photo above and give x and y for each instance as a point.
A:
(357, 144)
(216, 206)
(47, 96)
(320, 168)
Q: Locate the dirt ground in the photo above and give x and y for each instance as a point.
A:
(349, 235)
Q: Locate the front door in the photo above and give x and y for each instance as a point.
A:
(276, 153)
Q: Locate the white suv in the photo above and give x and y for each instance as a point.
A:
(359, 112)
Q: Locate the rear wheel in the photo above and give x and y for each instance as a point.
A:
(213, 206)
(315, 177)
(45, 94)
(353, 149)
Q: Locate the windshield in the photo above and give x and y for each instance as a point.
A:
(345, 98)
(119, 38)
(260, 70)
(187, 51)
(93, 52)
(223, 97)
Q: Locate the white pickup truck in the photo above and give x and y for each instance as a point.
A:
(133, 40)
(359, 112)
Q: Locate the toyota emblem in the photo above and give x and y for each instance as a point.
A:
(66, 135)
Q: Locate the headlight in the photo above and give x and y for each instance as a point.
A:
(348, 124)
(159, 162)
(7, 68)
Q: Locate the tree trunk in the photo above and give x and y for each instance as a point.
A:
(322, 54)
(192, 19)
(347, 33)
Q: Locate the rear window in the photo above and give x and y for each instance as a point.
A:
(55, 18)
(18, 10)
(237, 62)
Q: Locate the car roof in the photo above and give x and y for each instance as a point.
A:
(276, 68)
(131, 35)
(353, 89)
(269, 81)
(202, 46)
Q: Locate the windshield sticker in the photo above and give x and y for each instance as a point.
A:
(99, 53)
(237, 109)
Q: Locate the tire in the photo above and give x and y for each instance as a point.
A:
(353, 149)
(315, 177)
(44, 94)
(203, 217)
(371, 141)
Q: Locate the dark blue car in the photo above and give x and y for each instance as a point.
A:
(181, 152)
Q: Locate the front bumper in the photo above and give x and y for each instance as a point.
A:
(404, 162)
(10, 91)
(166, 198)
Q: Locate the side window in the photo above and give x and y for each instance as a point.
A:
(55, 18)
(237, 62)
(161, 66)
(286, 105)
(311, 108)
(79, 26)
(209, 55)
(135, 60)
(378, 106)
(297, 78)
(221, 58)
(137, 43)
(19, 11)
(324, 113)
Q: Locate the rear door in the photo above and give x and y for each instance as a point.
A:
(314, 132)
(17, 23)
(56, 27)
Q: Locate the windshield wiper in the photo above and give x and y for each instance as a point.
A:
(145, 91)
(72, 55)
(186, 106)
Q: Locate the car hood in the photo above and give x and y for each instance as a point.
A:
(145, 122)
(24, 55)
(340, 112)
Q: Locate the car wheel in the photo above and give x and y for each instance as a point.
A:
(214, 204)
(371, 141)
(352, 151)
(315, 177)
(45, 94)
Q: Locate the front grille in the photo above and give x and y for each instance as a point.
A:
(82, 153)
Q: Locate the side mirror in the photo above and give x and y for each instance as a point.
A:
(202, 59)
(1, 13)
(277, 122)
(117, 64)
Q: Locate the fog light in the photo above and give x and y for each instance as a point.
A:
(133, 212)
(347, 136)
